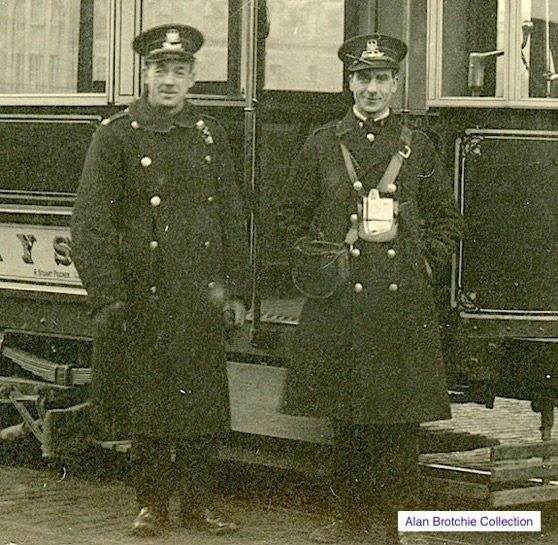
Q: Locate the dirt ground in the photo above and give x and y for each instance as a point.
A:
(90, 501)
(42, 505)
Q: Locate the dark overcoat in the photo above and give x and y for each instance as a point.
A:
(159, 225)
(371, 353)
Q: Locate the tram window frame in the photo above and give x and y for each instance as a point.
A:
(77, 98)
(231, 88)
(300, 102)
(512, 66)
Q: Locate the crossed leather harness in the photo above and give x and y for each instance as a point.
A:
(318, 267)
(363, 228)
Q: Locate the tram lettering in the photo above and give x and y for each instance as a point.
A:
(27, 242)
(62, 251)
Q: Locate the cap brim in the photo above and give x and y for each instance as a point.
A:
(374, 65)
(166, 55)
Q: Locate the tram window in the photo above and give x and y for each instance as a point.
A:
(302, 45)
(53, 47)
(474, 48)
(539, 49)
(215, 62)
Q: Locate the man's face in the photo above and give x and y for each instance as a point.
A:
(373, 90)
(168, 82)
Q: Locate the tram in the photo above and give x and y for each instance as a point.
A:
(481, 78)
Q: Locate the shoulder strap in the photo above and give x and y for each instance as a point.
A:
(397, 159)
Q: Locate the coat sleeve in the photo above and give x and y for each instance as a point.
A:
(234, 231)
(302, 191)
(440, 220)
(96, 218)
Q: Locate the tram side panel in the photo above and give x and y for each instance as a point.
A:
(503, 337)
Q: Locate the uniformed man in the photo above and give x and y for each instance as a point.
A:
(159, 241)
(368, 356)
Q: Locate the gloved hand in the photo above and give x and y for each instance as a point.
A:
(234, 314)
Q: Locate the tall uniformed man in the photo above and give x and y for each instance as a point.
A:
(369, 355)
(159, 241)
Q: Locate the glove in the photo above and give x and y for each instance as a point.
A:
(234, 314)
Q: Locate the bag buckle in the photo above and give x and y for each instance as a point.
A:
(405, 152)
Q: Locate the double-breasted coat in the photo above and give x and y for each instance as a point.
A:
(371, 353)
(159, 225)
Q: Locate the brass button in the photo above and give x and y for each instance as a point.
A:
(155, 200)
(393, 287)
(391, 253)
(358, 287)
(370, 137)
(146, 161)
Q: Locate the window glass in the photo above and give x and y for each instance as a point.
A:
(474, 48)
(210, 17)
(43, 40)
(539, 49)
(301, 50)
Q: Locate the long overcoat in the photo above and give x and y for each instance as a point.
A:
(371, 353)
(159, 225)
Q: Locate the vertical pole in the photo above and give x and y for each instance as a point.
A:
(547, 421)
(407, 39)
(251, 154)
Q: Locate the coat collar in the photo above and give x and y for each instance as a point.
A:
(351, 123)
(154, 119)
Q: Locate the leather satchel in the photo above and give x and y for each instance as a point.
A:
(318, 267)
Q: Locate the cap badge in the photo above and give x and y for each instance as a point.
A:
(172, 40)
(372, 51)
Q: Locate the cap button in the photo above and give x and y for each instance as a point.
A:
(208, 159)
(358, 287)
(153, 244)
(391, 188)
(357, 185)
(355, 252)
(393, 287)
(353, 218)
(135, 125)
(370, 137)
(391, 253)
(155, 200)
(146, 161)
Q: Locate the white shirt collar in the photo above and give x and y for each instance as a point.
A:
(359, 116)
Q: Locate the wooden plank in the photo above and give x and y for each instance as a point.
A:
(455, 488)
(524, 450)
(523, 471)
(516, 496)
